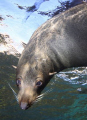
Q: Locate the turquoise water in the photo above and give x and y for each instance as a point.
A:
(67, 99)
(63, 102)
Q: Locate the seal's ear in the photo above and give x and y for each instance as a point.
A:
(52, 73)
(14, 66)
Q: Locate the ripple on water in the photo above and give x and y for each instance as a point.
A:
(66, 100)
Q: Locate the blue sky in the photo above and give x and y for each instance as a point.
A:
(16, 25)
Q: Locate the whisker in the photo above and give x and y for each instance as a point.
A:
(45, 93)
(42, 95)
(37, 100)
(15, 94)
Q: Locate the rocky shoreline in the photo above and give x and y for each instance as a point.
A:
(7, 47)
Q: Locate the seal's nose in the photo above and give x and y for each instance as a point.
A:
(24, 105)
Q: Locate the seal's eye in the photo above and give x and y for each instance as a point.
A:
(18, 82)
(39, 83)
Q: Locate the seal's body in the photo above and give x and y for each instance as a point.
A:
(59, 43)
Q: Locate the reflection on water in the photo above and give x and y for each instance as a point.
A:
(66, 101)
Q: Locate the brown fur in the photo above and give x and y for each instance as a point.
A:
(59, 43)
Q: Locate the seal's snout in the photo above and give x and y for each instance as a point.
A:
(24, 105)
(26, 97)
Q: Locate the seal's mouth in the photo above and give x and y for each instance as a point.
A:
(26, 105)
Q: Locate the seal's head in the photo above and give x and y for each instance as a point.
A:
(32, 77)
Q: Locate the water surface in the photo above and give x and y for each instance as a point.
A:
(66, 101)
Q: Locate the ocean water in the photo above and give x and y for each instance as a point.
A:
(67, 99)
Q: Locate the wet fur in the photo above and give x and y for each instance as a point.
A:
(59, 43)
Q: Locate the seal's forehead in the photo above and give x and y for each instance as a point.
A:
(27, 71)
(26, 66)
(21, 69)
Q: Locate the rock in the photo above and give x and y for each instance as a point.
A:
(6, 46)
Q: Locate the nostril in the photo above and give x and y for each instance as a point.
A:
(24, 105)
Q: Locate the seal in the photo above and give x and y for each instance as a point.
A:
(59, 43)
